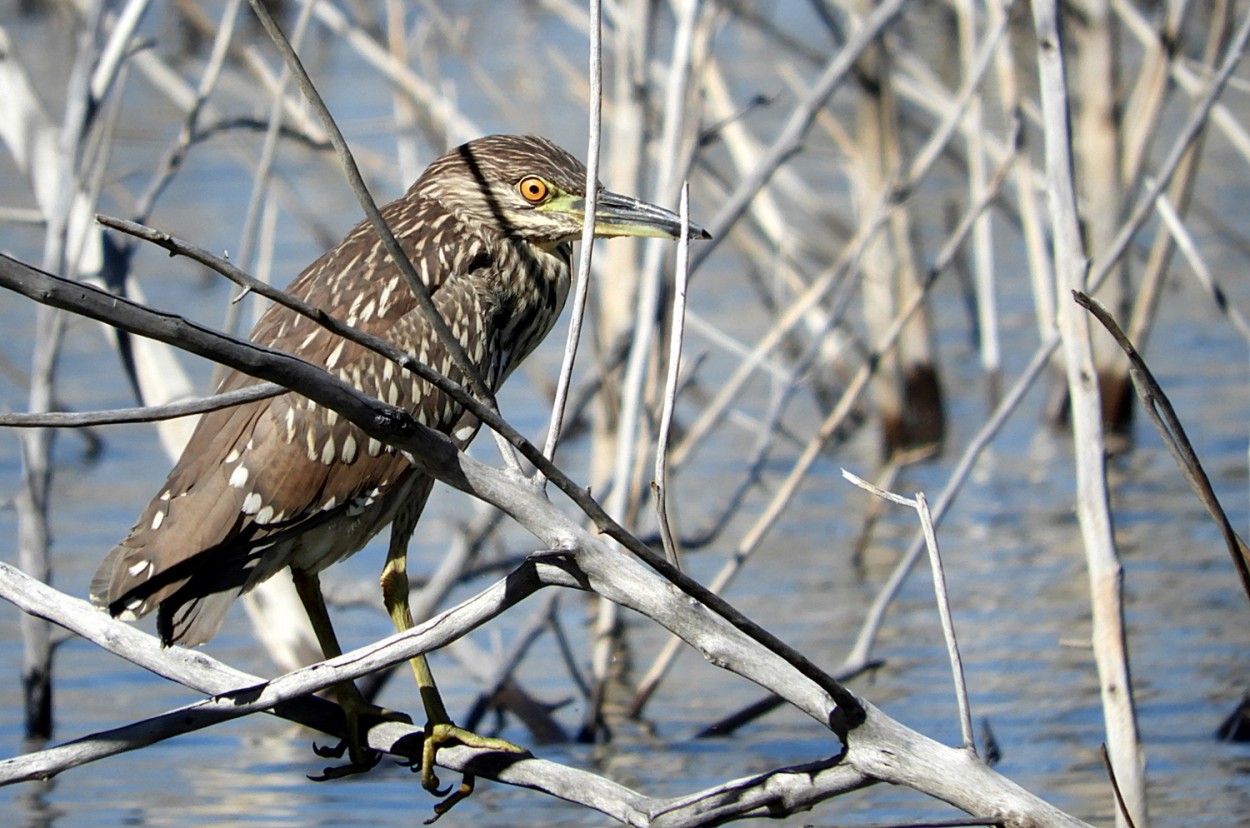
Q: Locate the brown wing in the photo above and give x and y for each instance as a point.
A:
(254, 476)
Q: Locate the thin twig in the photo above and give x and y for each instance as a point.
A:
(1115, 786)
(659, 486)
(144, 414)
(1159, 408)
(921, 505)
(955, 481)
(581, 288)
(948, 623)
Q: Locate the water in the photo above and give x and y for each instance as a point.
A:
(1010, 546)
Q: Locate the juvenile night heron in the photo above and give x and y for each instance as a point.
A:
(284, 482)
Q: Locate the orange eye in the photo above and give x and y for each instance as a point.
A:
(533, 189)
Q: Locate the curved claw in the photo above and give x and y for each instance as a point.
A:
(425, 767)
(440, 735)
(466, 788)
(428, 780)
(367, 763)
(361, 757)
(330, 752)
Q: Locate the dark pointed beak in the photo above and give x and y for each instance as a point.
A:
(619, 215)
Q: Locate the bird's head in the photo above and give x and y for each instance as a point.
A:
(532, 189)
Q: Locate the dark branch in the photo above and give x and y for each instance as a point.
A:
(432, 452)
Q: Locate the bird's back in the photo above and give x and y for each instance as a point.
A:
(284, 481)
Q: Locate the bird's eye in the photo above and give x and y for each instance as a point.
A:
(533, 189)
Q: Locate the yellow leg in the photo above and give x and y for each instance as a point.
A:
(355, 708)
(439, 730)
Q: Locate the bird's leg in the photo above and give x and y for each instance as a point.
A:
(439, 730)
(355, 708)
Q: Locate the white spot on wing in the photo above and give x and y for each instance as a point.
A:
(140, 569)
(333, 359)
(158, 519)
(238, 477)
(384, 302)
(251, 503)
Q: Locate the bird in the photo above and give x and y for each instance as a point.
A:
(283, 482)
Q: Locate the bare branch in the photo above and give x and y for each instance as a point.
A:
(1159, 408)
(921, 505)
(659, 486)
(144, 414)
(581, 287)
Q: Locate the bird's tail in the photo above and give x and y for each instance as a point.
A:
(128, 585)
(120, 581)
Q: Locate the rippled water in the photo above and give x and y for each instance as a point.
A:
(1011, 548)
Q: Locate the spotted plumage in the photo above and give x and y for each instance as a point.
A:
(283, 482)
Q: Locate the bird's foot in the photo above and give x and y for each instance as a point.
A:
(444, 734)
(360, 757)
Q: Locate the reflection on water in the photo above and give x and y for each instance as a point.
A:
(1012, 553)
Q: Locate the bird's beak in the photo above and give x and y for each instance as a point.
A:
(619, 215)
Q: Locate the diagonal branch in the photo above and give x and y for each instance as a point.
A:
(1159, 408)
(874, 746)
(433, 453)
